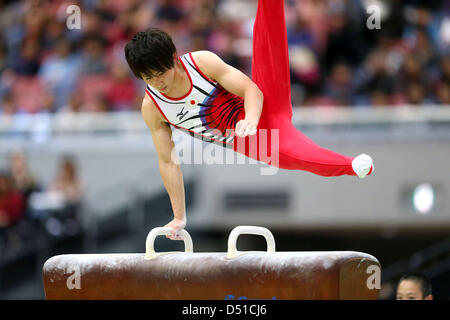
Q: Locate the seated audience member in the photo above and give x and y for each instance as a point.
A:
(22, 177)
(8, 106)
(27, 62)
(414, 286)
(122, 90)
(11, 202)
(67, 182)
(11, 206)
(57, 208)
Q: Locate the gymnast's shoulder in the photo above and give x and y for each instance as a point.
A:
(208, 62)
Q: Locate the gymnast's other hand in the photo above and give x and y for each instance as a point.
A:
(177, 225)
(246, 127)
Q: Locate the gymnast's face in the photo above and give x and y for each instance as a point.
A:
(410, 290)
(161, 81)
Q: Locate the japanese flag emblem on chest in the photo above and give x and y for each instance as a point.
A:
(192, 101)
(190, 106)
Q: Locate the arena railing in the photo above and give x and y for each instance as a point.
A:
(24, 125)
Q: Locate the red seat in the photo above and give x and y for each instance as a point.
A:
(90, 86)
(29, 93)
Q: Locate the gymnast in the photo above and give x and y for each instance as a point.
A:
(201, 95)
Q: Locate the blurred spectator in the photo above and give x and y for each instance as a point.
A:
(103, 9)
(11, 208)
(74, 103)
(67, 182)
(339, 87)
(414, 286)
(311, 17)
(140, 16)
(428, 22)
(60, 70)
(380, 98)
(373, 80)
(6, 81)
(22, 177)
(305, 68)
(3, 57)
(93, 55)
(8, 105)
(35, 17)
(343, 43)
(443, 34)
(121, 91)
(58, 207)
(98, 103)
(422, 49)
(168, 10)
(305, 74)
(445, 69)
(92, 23)
(415, 93)
(28, 61)
(11, 202)
(201, 19)
(53, 33)
(443, 93)
(299, 34)
(411, 71)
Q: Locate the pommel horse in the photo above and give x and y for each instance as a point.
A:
(321, 275)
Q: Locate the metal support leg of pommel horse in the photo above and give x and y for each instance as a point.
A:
(337, 275)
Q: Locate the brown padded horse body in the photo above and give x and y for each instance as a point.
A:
(212, 276)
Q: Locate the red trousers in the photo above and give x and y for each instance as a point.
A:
(270, 71)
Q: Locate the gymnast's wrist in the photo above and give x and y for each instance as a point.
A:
(180, 216)
(252, 119)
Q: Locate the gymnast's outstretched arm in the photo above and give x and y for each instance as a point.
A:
(236, 82)
(170, 171)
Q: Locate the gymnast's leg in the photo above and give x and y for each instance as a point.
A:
(270, 71)
(270, 61)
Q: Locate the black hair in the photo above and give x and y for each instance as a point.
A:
(150, 52)
(421, 279)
